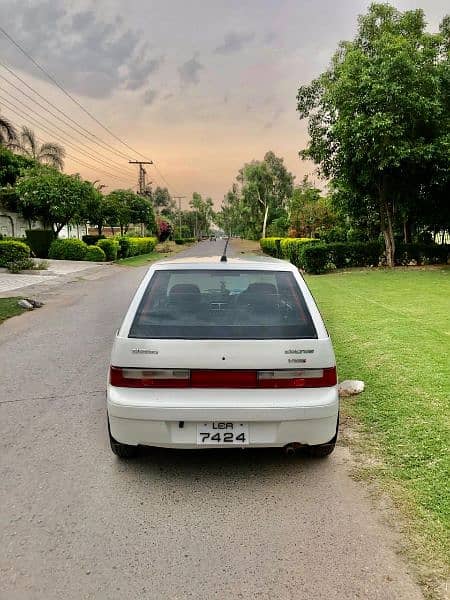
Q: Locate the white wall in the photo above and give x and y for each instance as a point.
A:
(12, 224)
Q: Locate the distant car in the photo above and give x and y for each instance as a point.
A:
(223, 354)
(212, 238)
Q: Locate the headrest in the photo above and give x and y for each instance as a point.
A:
(261, 288)
(185, 289)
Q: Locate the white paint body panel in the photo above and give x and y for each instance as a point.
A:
(276, 417)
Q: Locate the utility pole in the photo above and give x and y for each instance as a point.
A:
(142, 173)
(179, 198)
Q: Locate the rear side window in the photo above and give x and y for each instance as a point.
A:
(219, 304)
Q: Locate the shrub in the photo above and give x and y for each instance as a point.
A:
(271, 246)
(70, 249)
(91, 240)
(110, 247)
(423, 254)
(40, 241)
(95, 254)
(141, 245)
(164, 230)
(179, 241)
(19, 265)
(315, 258)
(124, 246)
(12, 251)
(292, 249)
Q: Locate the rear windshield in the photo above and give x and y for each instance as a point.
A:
(202, 304)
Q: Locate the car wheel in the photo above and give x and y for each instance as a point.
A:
(123, 451)
(323, 450)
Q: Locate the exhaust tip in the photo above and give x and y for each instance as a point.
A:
(289, 450)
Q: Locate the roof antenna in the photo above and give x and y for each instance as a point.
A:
(223, 258)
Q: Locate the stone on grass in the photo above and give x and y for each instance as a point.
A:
(25, 304)
(350, 387)
(35, 303)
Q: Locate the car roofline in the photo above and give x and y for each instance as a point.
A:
(232, 263)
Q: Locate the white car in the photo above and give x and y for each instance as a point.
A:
(223, 354)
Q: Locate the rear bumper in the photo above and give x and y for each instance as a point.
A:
(275, 417)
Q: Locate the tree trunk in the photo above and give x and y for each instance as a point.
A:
(407, 231)
(99, 229)
(386, 217)
(266, 214)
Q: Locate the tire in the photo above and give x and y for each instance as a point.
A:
(123, 451)
(323, 450)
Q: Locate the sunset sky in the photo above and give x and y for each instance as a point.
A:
(199, 86)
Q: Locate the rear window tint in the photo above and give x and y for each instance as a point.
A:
(201, 304)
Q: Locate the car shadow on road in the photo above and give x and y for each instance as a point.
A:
(222, 464)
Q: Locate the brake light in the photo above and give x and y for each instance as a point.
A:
(298, 378)
(143, 378)
(222, 378)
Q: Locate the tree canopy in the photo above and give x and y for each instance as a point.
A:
(53, 197)
(379, 117)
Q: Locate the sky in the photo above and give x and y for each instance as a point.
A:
(199, 87)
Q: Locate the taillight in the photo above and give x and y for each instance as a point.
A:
(143, 378)
(222, 378)
(297, 378)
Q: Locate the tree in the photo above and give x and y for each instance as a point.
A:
(309, 213)
(265, 185)
(8, 134)
(203, 213)
(52, 197)
(49, 153)
(378, 116)
(11, 166)
(122, 207)
(163, 202)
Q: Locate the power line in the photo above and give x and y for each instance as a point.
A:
(78, 149)
(81, 130)
(97, 140)
(61, 87)
(21, 113)
(78, 160)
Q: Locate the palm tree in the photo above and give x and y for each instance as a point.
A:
(8, 134)
(50, 153)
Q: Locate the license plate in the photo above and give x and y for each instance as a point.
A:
(222, 433)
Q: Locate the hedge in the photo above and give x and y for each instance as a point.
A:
(40, 241)
(124, 246)
(143, 245)
(68, 249)
(95, 254)
(422, 254)
(110, 247)
(287, 248)
(318, 257)
(181, 241)
(91, 240)
(12, 252)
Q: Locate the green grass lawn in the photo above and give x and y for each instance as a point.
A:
(157, 254)
(392, 330)
(143, 259)
(9, 308)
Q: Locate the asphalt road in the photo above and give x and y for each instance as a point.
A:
(77, 523)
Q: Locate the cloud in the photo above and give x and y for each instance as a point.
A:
(139, 72)
(269, 38)
(234, 42)
(189, 71)
(90, 54)
(150, 97)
